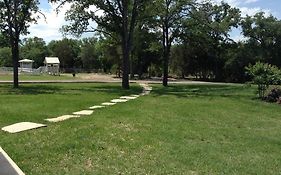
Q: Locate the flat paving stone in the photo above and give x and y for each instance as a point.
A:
(7, 165)
(62, 118)
(23, 126)
(128, 97)
(108, 104)
(119, 101)
(148, 89)
(96, 107)
(135, 96)
(84, 112)
(145, 93)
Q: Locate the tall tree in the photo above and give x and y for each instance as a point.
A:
(67, 50)
(263, 33)
(34, 49)
(206, 33)
(169, 15)
(118, 16)
(146, 51)
(89, 55)
(15, 18)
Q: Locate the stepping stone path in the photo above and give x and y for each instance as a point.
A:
(146, 89)
(84, 112)
(23, 126)
(62, 118)
(128, 97)
(118, 100)
(108, 104)
(19, 127)
(7, 165)
(96, 107)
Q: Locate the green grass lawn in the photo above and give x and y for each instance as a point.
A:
(182, 129)
(30, 77)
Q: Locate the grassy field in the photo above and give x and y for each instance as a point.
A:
(182, 129)
(30, 77)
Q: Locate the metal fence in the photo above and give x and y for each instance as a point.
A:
(42, 69)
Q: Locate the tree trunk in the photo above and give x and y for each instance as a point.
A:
(166, 54)
(165, 69)
(132, 74)
(125, 74)
(125, 47)
(15, 56)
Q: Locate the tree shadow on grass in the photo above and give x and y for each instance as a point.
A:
(184, 91)
(67, 89)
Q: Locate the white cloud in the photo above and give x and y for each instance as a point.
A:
(252, 11)
(243, 5)
(48, 27)
(245, 10)
(250, 1)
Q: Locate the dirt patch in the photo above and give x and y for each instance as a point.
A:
(97, 77)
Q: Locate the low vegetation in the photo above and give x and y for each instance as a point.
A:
(264, 75)
(182, 129)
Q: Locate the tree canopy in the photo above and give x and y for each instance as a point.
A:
(15, 18)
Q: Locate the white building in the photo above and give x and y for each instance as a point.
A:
(26, 65)
(52, 65)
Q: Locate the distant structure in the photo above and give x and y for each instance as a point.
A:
(52, 65)
(26, 65)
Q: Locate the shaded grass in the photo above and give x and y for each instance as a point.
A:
(182, 129)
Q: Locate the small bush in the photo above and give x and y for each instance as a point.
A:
(263, 75)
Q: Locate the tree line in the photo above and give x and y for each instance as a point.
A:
(183, 38)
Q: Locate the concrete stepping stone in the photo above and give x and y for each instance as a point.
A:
(135, 96)
(145, 93)
(128, 97)
(62, 118)
(148, 88)
(96, 107)
(23, 126)
(7, 165)
(84, 112)
(108, 104)
(119, 101)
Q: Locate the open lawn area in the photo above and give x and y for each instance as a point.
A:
(182, 129)
(30, 77)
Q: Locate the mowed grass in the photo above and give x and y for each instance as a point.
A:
(182, 129)
(42, 77)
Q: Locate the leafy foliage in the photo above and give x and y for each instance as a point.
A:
(264, 74)
(67, 50)
(15, 18)
(264, 34)
(34, 49)
(6, 57)
(118, 19)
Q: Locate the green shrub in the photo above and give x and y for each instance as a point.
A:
(264, 74)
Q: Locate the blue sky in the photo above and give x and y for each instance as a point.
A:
(49, 29)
